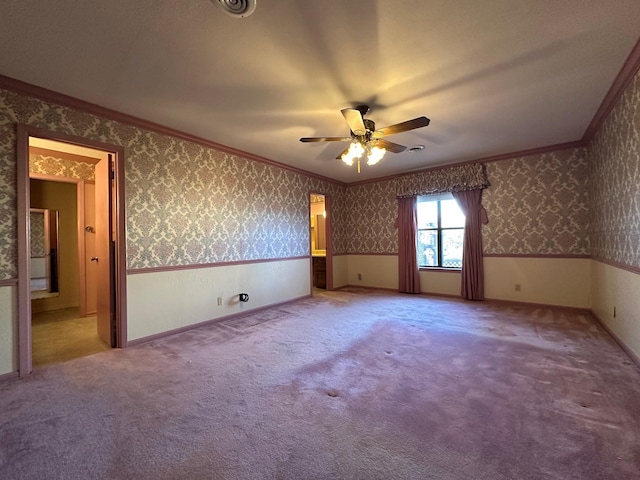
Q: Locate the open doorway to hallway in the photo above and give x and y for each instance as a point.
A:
(318, 219)
(63, 256)
(72, 282)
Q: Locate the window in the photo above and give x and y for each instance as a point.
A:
(440, 232)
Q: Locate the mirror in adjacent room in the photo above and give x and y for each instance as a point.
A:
(44, 242)
(318, 225)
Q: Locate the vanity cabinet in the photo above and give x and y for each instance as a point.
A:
(320, 272)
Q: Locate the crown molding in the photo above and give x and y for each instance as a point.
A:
(619, 85)
(494, 158)
(18, 86)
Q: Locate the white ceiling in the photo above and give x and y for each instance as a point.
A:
(494, 76)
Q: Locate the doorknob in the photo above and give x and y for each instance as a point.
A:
(94, 259)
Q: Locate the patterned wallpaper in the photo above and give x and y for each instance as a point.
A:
(37, 235)
(538, 205)
(61, 167)
(371, 211)
(8, 214)
(199, 205)
(614, 158)
(185, 203)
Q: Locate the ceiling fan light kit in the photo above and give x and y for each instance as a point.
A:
(366, 139)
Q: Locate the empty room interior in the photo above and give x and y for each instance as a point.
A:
(310, 240)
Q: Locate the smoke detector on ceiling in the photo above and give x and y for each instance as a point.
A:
(237, 8)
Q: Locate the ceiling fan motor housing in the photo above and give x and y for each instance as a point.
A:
(370, 127)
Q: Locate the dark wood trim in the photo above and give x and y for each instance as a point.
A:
(206, 323)
(533, 255)
(618, 265)
(619, 85)
(46, 95)
(8, 282)
(625, 348)
(62, 155)
(137, 271)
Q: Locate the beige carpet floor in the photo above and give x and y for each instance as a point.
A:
(62, 335)
(343, 385)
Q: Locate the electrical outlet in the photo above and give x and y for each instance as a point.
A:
(359, 276)
(219, 301)
(518, 288)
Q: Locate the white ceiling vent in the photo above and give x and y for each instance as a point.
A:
(237, 8)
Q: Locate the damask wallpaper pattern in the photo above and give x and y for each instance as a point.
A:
(614, 159)
(186, 203)
(538, 204)
(371, 211)
(61, 167)
(37, 235)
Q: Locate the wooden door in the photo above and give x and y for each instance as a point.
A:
(90, 266)
(105, 291)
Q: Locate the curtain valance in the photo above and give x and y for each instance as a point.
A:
(472, 176)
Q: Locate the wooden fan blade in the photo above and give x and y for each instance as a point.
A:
(354, 120)
(401, 127)
(326, 139)
(388, 146)
(339, 157)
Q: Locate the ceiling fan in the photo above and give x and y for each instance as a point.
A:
(366, 139)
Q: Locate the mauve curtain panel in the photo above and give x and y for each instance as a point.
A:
(470, 202)
(409, 276)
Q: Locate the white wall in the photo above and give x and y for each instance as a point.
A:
(440, 283)
(8, 329)
(340, 271)
(550, 281)
(614, 287)
(379, 271)
(162, 301)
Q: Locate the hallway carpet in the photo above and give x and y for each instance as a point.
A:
(345, 385)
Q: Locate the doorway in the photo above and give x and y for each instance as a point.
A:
(85, 312)
(320, 240)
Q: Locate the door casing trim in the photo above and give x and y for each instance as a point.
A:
(23, 200)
